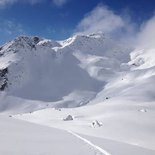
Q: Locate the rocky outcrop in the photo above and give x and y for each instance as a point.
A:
(3, 79)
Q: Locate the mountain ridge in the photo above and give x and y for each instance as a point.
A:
(69, 73)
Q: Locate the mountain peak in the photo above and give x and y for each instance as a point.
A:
(34, 39)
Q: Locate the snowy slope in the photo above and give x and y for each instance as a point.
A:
(18, 137)
(130, 123)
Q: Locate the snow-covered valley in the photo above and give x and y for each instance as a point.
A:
(87, 95)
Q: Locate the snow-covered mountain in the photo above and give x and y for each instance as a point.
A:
(105, 88)
(82, 69)
(38, 69)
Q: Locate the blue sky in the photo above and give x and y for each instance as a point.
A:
(59, 19)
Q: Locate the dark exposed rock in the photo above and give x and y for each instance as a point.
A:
(68, 118)
(1, 53)
(3, 72)
(3, 79)
(36, 40)
(1, 48)
(33, 46)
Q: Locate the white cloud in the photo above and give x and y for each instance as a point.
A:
(146, 36)
(4, 3)
(102, 19)
(119, 27)
(60, 2)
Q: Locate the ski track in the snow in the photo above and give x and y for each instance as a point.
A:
(95, 147)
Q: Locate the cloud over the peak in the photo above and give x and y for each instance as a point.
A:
(100, 19)
(105, 20)
(146, 36)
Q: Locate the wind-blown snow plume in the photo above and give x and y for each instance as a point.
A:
(103, 19)
(100, 19)
(143, 55)
(120, 26)
(146, 36)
